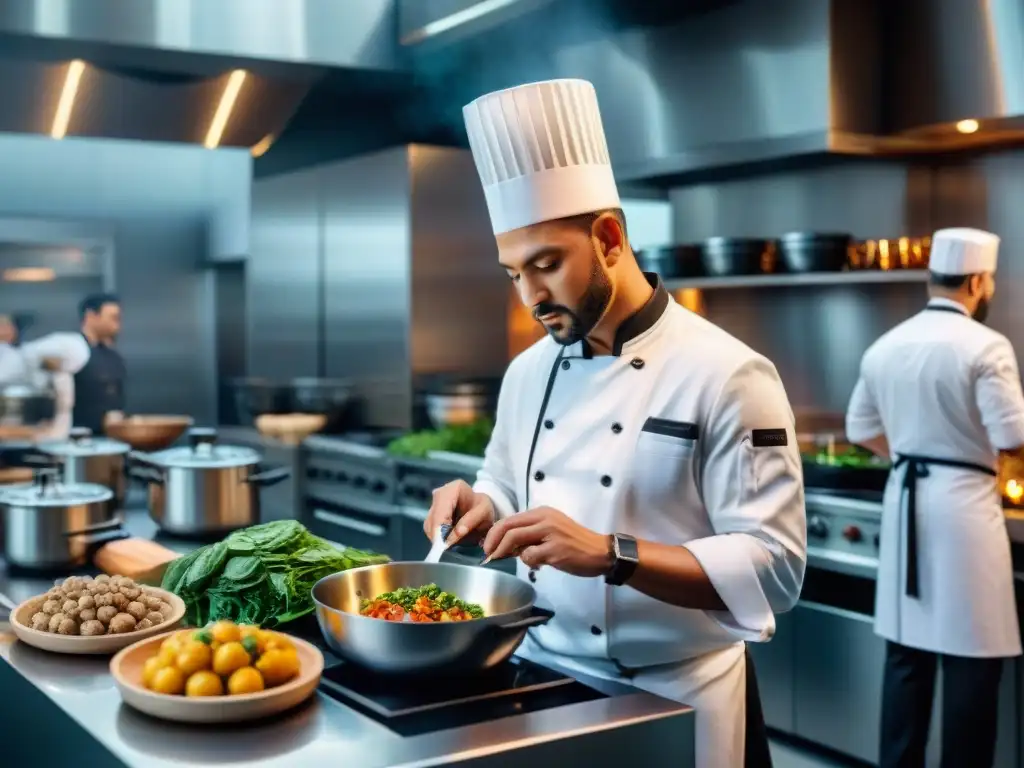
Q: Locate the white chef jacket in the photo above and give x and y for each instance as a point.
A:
(942, 385)
(683, 436)
(13, 369)
(73, 351)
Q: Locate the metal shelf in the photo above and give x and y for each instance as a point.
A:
(853, 277)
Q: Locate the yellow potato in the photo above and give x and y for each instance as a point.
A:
(153, 665)
(204, 683)
(194, 657)
(225, 632)
(229, 657)
(245, 680)
(168, 680)
(278, 666)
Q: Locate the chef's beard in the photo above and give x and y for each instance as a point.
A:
(589, 309)
(981, 311)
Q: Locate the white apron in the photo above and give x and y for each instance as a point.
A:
(713, 684)
(942, 385)
(684, 437)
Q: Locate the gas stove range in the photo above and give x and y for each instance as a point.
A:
(844, 530)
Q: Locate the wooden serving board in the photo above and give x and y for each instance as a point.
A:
(139, 559)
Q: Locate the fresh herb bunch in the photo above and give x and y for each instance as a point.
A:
(407, 597)
(261, 575)
(467, 439)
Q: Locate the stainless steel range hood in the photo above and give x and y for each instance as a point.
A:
(224, 73)
(759, 83)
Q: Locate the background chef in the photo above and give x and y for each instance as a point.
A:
(941, 394)
(642, 454)
(90, 372)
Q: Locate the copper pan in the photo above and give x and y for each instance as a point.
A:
(148, 433)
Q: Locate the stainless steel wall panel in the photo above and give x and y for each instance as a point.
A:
(459, 291)
(283, 276)
(368, 280)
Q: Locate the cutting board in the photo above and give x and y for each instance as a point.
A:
(140, 559)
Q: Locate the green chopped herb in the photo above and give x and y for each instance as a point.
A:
(407, 597)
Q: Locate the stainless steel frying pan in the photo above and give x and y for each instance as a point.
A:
(426, 648)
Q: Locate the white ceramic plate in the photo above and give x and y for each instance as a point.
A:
(21, 624)
(126, 668)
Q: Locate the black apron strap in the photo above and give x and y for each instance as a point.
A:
(916, 468)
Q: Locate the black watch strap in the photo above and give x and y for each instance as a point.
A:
(625, 558)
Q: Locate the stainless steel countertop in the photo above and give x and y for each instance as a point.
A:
(322, 732)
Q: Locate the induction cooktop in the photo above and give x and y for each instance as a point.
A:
(412, 707)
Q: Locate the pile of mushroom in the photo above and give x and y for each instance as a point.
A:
(106, 605)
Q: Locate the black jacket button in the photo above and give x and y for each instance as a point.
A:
(616, 427)
(549, 424)
(606, 481)
(565, 365)
(538, 475)
(532, 576)
(595, 630)
(637, 363)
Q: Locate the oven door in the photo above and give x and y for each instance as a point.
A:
(364, 524)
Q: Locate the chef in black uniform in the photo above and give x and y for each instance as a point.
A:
(99, 384)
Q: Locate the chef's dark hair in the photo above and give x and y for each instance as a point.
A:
(586, 220)
(951, 282)
(94, 303)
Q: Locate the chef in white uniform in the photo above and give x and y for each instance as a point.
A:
(59, 355)
(13, 369)
(643, 465)
(941, 395)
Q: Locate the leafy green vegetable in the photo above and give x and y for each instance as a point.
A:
(852, 457)
(407, 597)
(467, 439)
(260, 575)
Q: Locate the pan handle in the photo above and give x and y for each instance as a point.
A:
(265, 477)
(537, 617)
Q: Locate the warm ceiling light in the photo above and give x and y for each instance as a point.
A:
(227, 104)
(67, 99)
(967, 126)
(29, 275)
(260, 148)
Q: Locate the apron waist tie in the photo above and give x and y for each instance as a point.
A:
(917, 467)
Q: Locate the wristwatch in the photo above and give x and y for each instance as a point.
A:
(625, 558)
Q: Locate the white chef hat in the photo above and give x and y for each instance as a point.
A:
(541, 153)
(963, 251)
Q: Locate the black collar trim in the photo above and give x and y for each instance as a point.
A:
(644, 318)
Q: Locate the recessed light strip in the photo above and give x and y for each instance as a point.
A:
(67, 99)
(224, 109)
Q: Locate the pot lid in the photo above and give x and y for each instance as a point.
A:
(206, 456)
(86, 446)
(53, 494)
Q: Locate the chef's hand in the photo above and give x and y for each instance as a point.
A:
(470, 513)
(545, 536)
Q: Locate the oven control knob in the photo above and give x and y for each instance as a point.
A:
(359, 481)
(878, 541)
(852, 533)
(312, 473)
(378, 486)
(817, 527)
(341, 477)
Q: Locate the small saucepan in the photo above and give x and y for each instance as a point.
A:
(49, 525)
(414, 649)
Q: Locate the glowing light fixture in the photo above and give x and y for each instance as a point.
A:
(29, 275)
(67, 99)
(260, 148)
(967, 126)
(224, 109)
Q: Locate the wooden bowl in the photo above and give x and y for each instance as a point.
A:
(147, 433)
(126, 668)
(21, 624)
(290, 428)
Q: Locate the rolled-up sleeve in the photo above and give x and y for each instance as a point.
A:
(70, 348)
(999, 397)
(863, 421)
(752, 482)
(496, 478)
